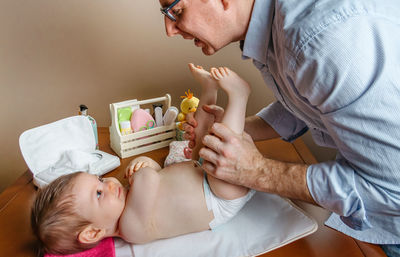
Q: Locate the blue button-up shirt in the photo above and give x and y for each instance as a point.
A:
(334, 68)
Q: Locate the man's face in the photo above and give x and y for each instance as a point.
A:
(99, 200)
(203, 21)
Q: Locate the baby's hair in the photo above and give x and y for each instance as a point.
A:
(54, 218)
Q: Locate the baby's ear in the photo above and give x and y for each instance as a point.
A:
(91, 235)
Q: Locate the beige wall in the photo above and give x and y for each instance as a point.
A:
(57, 54)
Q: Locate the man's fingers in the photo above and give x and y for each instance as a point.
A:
(221, 131)
(215, 110)
(208, 155)
(187, 152)
(208, 167)
(213, 143)
(189, 136)
(192, 143)
(191, 120)
(187, 127)
(189, 132)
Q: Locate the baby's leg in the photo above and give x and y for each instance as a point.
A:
(234, 117)
(208, 95)
(238, 92)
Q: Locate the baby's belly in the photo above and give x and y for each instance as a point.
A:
(181, 206)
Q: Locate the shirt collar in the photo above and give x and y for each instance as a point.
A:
(259, 32)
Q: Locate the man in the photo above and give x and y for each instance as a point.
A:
(333, 66)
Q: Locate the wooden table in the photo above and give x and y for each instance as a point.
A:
(17, 240)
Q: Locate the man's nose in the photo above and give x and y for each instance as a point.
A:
(170, 27)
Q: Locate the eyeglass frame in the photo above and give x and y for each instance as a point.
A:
(166, 10)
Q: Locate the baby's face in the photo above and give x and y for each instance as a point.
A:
(100, 200)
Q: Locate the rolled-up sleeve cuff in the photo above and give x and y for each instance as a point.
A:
(333, 186)
(283, 122)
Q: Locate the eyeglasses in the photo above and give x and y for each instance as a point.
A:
(166, 10)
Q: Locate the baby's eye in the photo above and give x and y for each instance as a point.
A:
(101, 179)
(99, 192)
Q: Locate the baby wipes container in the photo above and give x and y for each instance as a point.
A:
(64, 147)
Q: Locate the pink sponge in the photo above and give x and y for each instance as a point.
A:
(141, 120)
(105, 248)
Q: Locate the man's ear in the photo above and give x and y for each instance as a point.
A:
(91, 234)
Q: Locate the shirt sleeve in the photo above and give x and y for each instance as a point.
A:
(356, 95)
(333, 185)
(282, 121)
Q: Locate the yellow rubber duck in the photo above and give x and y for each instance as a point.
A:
(188, 104)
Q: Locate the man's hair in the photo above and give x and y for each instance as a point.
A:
(54, 218)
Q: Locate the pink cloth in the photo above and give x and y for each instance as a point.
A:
(105, 248)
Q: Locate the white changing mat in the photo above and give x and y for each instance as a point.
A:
(265, 223)
(63, 147)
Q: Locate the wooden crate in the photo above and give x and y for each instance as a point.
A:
(142, 141)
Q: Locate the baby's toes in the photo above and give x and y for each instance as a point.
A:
(222, 71)
(215, 73)
(227, 71)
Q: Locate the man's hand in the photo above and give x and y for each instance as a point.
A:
(235, 159)
(191, 122)
(231, 157)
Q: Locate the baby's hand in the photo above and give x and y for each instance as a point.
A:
(135, 165)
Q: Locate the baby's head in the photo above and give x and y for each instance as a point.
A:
(76, 211)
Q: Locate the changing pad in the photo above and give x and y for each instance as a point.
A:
(63, 147)
(265, 223)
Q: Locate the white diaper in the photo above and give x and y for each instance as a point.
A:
(223, 210)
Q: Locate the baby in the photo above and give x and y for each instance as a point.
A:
(76, 211)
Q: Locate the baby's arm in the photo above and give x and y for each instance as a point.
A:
(137, 219)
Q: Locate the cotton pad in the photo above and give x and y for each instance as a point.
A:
(141, 120)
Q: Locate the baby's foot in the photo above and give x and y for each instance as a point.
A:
(202, 76)
(230, 82)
